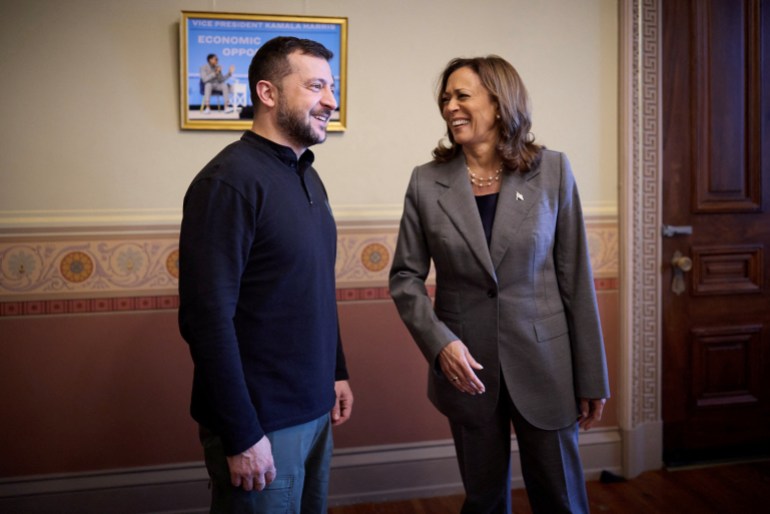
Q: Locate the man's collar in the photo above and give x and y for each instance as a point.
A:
(284, 153)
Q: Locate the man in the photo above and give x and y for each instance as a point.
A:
(257, 295)
(213, 80)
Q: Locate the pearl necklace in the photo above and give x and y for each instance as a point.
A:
(484, 181)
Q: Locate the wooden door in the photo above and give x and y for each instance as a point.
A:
(716, 180)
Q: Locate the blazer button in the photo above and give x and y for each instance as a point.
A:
(492, 293)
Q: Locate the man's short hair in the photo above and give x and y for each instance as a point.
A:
(271, 62)
(209, 56)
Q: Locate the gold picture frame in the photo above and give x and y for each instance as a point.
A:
(234, 39)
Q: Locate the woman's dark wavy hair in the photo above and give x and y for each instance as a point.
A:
(517, 146)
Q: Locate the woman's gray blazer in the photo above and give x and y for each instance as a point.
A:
(525, 306)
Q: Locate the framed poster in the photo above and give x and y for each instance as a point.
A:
(215, 53)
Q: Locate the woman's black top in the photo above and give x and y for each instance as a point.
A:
(487, 205)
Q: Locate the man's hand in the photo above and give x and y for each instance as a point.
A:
(343, 406)
(254, 468)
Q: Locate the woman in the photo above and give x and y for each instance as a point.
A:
(514, 334)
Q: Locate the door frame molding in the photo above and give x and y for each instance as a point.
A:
(640, 173)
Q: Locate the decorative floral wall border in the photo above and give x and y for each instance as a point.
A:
(103, 265)
(78, 274)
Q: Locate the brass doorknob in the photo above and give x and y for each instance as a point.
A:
(681, 262)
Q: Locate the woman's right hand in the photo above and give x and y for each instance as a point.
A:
(458, 364)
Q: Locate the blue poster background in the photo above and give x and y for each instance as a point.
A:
(236, 41)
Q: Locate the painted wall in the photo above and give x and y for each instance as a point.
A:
(91, 130)
(93, 166)
(101, 391)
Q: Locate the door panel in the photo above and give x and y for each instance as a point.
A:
(726, 92)
(716, 179)
(727, 269)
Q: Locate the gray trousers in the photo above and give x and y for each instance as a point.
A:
(550, 464)
(222, 87)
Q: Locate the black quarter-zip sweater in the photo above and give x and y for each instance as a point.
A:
(257, 292)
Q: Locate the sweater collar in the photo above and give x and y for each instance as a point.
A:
(283, 153)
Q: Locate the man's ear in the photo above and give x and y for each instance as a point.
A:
(267, 93)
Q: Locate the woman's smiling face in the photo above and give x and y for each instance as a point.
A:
(469, 110)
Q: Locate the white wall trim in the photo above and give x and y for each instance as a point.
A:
(642, 448)
(639, 228)
(109, 221)
(368, 214)
(67, 219)
(362, 474)
(107, 479)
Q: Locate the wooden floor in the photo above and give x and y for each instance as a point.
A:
(726, 488)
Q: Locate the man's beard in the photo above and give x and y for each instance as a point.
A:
(296, 126)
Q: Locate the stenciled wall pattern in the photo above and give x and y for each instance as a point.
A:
(88, 266)
(65, 274)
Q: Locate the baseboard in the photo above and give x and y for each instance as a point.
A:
(642, 448)
(387, 473)
(358, 475)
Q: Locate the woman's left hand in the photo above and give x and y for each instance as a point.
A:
(590, 412)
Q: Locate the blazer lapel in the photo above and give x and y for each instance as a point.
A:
(459, 205)
(517, 197)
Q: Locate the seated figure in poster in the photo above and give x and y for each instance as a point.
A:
(214, 81)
